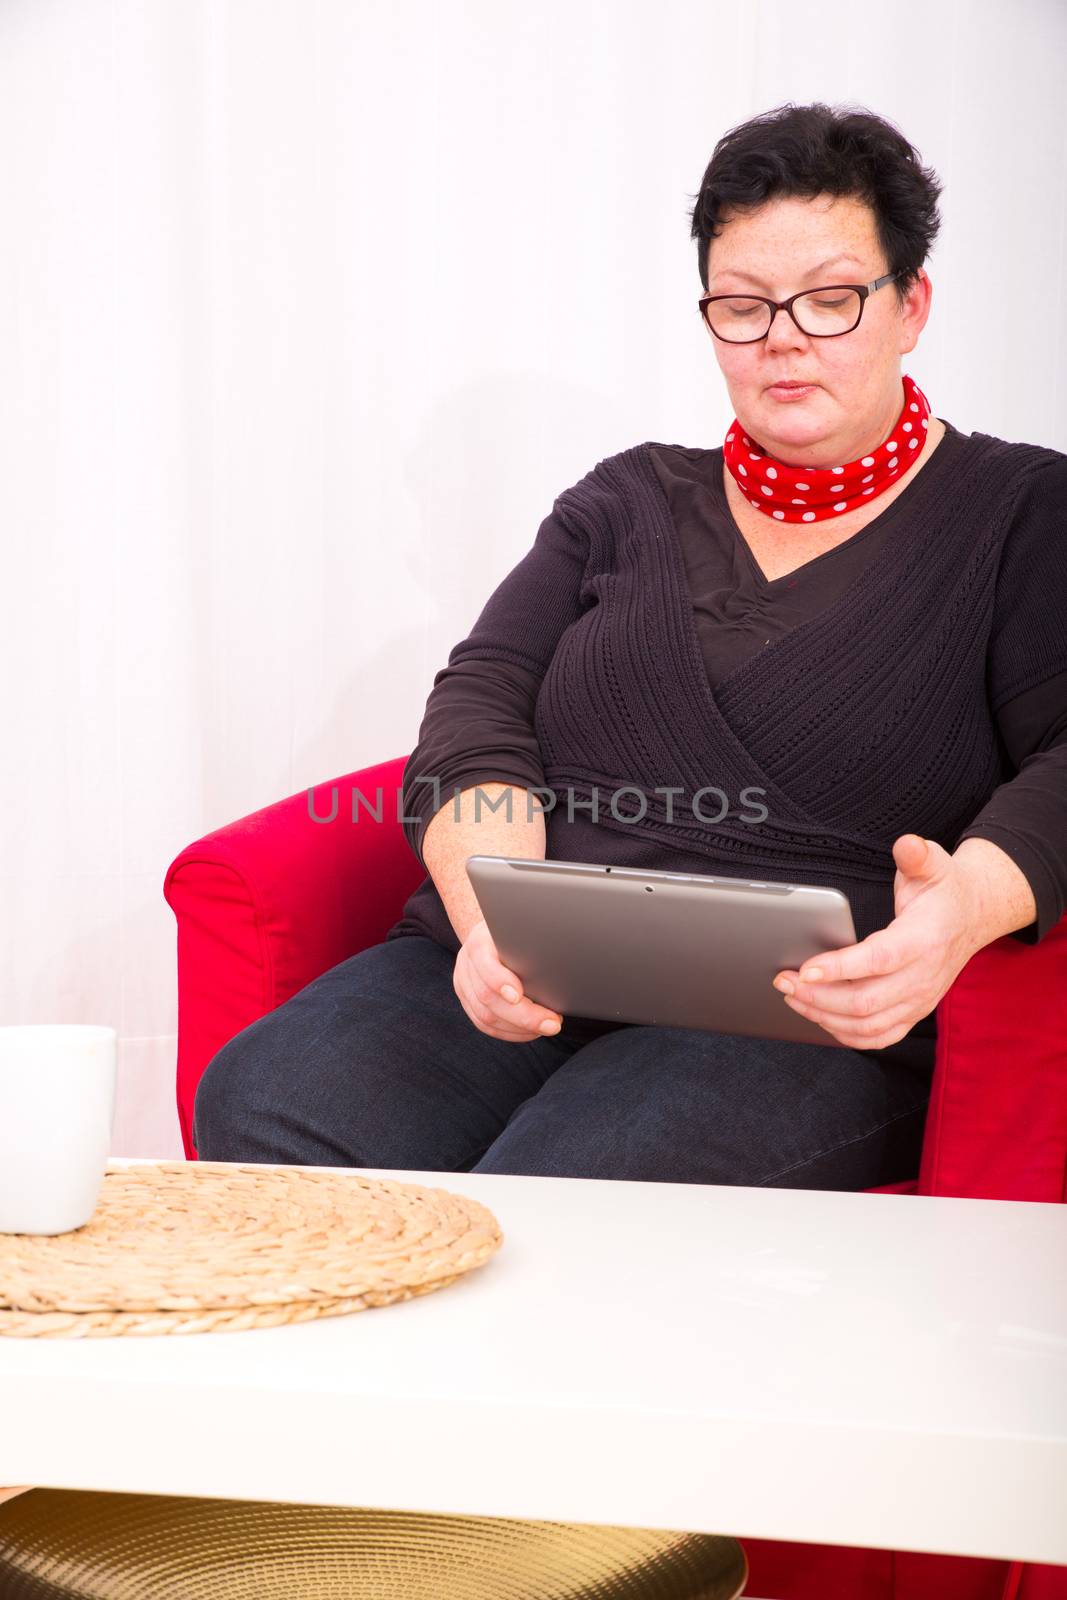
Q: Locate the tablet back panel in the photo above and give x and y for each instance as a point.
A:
(676, 949)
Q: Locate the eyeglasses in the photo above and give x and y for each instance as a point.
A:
(824, 313)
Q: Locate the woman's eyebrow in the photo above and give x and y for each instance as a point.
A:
(728, 272)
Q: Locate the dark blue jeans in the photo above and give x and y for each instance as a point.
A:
(376, 1064)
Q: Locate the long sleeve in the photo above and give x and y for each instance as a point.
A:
(478, 725)
(1027, 816)
(477, 728)
(1027, 677)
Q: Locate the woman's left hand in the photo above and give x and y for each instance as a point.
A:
(868, 995)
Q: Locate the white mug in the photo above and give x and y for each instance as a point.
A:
(57, 1107)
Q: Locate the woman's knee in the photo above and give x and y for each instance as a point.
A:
(292, 1087)
(888, 1152)
(288, 1087)
(225, 1104)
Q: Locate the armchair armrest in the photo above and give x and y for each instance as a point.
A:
(269, 902)
(997, 1124)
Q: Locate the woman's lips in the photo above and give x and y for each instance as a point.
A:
(796, 392)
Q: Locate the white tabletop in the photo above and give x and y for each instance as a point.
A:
(793, 1364)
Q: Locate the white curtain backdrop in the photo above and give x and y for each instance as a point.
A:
(308, 310)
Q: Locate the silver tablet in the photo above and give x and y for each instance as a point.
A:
(674, 948)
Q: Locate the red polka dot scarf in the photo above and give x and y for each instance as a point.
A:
(812, 494)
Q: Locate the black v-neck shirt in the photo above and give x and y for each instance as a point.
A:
(736, 609)
(478, 725)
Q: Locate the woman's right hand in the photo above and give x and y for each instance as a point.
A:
(479, 977)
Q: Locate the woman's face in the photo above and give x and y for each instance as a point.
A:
(783, 247)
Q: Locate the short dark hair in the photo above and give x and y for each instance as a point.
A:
(820, 149)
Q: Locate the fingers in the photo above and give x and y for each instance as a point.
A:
(484, 986)
(874, 956)
(862, 1033)
(519, 1022)
(520, 1014)
(855, 1001)
(501, 989)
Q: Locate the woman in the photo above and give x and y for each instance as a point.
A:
(850, 606)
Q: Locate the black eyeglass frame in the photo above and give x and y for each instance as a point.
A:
(862, 289)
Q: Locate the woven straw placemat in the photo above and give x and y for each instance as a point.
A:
(214, 1246)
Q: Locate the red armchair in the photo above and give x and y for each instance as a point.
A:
(267, 903)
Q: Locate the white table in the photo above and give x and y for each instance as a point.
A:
(843, 1368)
